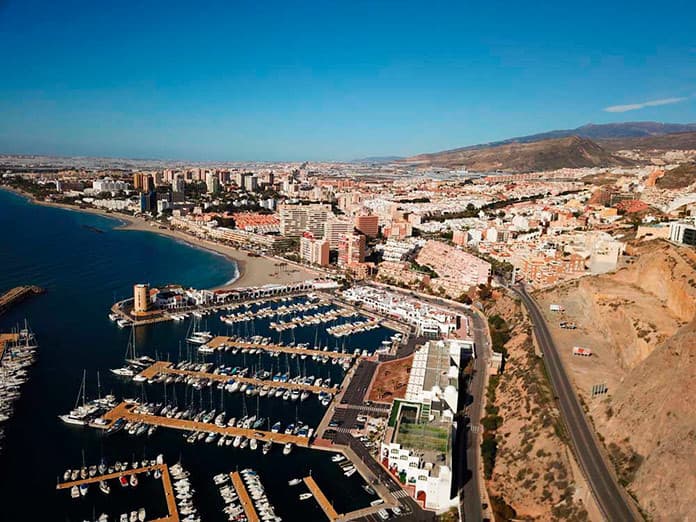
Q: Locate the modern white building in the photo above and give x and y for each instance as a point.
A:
(430, 404)
(683, 232)
(429, 321)
(432, 483)
(108, 185)
(433, 382)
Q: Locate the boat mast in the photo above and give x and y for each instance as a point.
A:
(134, 340)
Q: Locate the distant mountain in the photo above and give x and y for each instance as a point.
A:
(377, 159)
(547, 154)
(603, 131)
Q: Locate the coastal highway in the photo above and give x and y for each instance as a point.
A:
(472, 498)
(609, 495)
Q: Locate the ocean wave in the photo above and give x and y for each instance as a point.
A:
(236, 275)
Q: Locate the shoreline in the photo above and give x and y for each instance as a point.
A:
(263, 270)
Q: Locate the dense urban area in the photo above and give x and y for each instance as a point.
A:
(528, 374)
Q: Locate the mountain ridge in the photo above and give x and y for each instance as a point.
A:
(549, 154)
(593, 131)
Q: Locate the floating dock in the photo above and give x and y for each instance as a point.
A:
(221, 341)
(244, 497)
(321, 499)
(124, 411)
(173, 513)
(163, 367)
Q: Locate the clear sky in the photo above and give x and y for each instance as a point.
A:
(330, 79)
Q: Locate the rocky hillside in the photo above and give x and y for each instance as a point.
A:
(534, 476)
(678, 177)
(649, 425)
(640, 323)
(549, 154)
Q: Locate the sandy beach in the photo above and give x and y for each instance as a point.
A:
(253, 271)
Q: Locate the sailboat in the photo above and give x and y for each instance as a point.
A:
(80, 413)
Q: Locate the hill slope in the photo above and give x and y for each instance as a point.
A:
(572, 151)
(681, 141)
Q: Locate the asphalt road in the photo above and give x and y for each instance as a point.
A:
(609, 495)
(411, 511)
(469, 476)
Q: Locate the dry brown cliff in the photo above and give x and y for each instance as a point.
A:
(640, 323)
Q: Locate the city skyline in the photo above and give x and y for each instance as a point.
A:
(315, 82)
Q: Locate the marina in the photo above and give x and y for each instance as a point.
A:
(131, 412)
(350, 328)
(162, 368)
(241, 367)
(78, 338)
(125, 477)
(229, 343)
(17, 354)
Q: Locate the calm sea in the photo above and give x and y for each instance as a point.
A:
(85, 264)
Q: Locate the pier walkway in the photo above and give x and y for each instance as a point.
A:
(244, 497)
(321, 499)
(221, 341)
(172, 512)
(17, 294)
(125, 411)
(163, 367)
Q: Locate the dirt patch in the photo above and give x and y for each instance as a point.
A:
(391, 379)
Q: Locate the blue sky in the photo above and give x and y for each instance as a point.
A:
(295, 80)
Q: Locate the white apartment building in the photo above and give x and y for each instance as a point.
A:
(429, 321)
(396, 250)
(108, 185)
(114, 204)
(315, 251)
(297, 219)
(335, 228)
